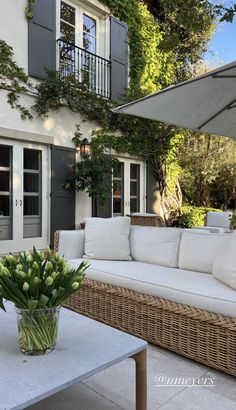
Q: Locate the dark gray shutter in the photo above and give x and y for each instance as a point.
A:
(151, 187)
(119, 59)
(62, 201)
(42, 38)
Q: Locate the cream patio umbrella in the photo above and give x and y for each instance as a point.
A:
(205, 104)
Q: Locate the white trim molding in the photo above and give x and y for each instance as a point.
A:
(26, 136)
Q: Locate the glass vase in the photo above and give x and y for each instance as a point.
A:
(37, 330)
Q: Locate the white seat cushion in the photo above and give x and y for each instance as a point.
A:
(107, 238)
(198, 251)
(224, 267)
(155, 245)
(187, 287)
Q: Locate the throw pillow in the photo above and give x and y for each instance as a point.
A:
(224, 268)
(107, 238)
(199, 251)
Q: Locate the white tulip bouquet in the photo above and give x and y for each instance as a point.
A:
(37, 282)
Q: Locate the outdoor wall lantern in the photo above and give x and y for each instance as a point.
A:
(85, 147)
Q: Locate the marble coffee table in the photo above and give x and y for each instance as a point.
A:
(84, 347)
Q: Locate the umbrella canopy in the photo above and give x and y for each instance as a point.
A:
(205, 104)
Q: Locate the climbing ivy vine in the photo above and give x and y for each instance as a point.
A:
(29, 9)
(13, 79)
(162, 46)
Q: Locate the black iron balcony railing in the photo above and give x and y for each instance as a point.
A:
(89, 68)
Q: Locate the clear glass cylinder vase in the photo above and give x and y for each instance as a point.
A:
(37, 330)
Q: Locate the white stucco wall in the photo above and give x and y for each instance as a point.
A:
(61, 125)
(14, 29)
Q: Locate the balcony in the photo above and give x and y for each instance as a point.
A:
(87, 67)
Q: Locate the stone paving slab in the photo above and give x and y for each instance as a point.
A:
(114, 388)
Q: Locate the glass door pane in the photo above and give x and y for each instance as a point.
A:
(5, 192)
(89, 58)
(67, 40)
(134, 188)
(32, 203)
(118, 189)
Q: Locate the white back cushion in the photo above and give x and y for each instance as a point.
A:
(220, 219)
(155, 245)
(107, 238)
(198, 251)
(71, 244)
(224, 267)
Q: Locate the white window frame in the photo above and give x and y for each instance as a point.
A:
(18, 242)
(142, 195)
(102, 32)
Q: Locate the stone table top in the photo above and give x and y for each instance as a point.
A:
(84, 347)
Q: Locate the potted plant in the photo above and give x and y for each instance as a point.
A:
(37, 283)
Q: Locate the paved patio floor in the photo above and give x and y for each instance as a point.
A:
(113, 388)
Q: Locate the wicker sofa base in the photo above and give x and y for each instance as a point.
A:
(205, 337)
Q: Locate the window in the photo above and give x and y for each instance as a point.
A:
(118, 189)
(128, 187)
(81, 43)
(134, 188)
(89, 34)
(32, 204)
(67, 23)
(5, 192)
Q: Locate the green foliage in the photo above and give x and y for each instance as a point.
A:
(118, 132)
(29, 9)
(163, 44)
(13, 79)
(192, 216)
(208, 176)
(38, 280)
(93, 175)
(226, 12)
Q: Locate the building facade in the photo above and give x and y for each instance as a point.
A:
(36, 156)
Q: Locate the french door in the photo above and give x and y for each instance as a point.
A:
(128, 187)
(23, 196)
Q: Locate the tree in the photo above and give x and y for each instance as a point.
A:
(226, 12)
(208, 170)
(93, 176)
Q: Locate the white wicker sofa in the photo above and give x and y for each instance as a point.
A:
(166, 294)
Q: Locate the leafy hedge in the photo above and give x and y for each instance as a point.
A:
(192, 216)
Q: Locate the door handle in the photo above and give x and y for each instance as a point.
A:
(21, 202)
(16, 202)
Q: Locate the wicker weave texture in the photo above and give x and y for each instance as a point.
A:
(147, 220)
(202, 336)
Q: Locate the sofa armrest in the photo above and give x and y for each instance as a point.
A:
(70, 244)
